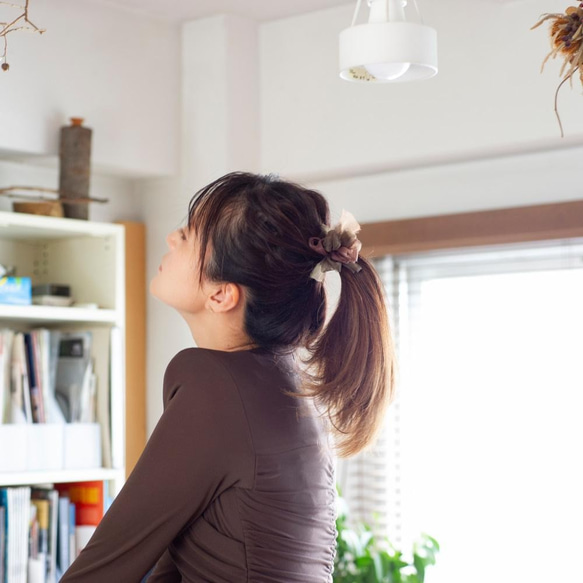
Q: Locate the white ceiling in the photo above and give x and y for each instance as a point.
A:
(182, 10)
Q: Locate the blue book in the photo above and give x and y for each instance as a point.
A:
(4, 535)
(72, 544)
(3, 516)
(63, 535)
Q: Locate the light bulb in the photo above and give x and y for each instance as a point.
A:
(387, 71)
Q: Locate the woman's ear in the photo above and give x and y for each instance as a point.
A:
(223, 297)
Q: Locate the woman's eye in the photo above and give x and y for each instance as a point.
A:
(182, 234)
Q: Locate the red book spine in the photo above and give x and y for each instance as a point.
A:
(88, 500)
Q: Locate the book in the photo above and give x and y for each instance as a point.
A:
(42, 542)
(37, 561)
(36, 398)
(6, 341)
(23, 367)
(88, 499)
(63, 535)
(72, 376)
(37, 358)
(2, 543)
(19, 393)
(16, 503)
(50, 340)
(39, 494)
(72, 546)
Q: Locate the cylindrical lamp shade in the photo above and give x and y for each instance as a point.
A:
(388, 42)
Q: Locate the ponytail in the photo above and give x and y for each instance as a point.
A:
(351, 365)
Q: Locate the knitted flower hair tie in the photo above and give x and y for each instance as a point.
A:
(339, 245)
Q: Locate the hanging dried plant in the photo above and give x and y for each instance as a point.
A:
(566, 33)
(21, 22)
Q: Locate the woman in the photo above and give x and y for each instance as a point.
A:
(236, 483)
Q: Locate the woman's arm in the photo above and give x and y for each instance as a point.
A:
(199, 448)
(165, 571)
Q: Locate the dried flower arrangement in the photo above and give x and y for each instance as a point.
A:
(567, 41)
(6, 27)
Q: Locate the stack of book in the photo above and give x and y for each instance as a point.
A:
(46, 376)
(42, 530)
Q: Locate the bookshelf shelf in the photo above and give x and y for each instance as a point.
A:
(29, 228)
(89, 257)
(49, 314)
(59, 477)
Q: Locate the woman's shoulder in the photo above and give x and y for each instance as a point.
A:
(195, 357)
(199, 366)
(196, 368)
(189, 360)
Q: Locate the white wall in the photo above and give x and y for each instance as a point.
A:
(488, 93)
(490, 183)
(118, 70)
(219, 134)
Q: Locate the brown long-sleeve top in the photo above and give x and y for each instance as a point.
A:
(236, 483)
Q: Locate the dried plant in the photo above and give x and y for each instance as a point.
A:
(12, 192)
(566, 34)
(21, 22)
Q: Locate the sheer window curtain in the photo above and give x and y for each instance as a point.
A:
(481, 448)
(366, 479)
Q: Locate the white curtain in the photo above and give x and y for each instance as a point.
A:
(367, 478)
(482, 447)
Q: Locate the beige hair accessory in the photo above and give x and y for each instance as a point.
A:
(339, 245)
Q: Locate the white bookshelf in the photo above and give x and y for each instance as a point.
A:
(60, 476)
(48, 314)
(88, 256)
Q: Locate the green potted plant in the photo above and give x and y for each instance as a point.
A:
(362, 557)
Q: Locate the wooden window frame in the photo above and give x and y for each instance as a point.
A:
(491, 227)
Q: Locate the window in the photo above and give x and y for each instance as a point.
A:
(484, 447)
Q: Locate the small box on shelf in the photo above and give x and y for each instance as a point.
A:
(15, 291)
(52, 294)
(49, 446)
(13, 448)
(82, 446)
(45, 446)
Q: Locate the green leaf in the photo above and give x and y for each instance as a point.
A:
(420, 566)
(378, 567)
(361, 557)
(363, 562)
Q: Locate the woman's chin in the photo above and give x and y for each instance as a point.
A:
(154, 287)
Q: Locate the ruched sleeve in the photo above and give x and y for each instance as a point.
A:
(200, 447)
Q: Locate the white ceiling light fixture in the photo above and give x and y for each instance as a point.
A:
(389, 48)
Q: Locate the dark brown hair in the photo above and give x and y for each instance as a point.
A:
(256, 230)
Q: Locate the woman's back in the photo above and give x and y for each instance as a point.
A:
(236, 483)
(278, 522)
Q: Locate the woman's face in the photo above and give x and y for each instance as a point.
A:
(176, 282)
